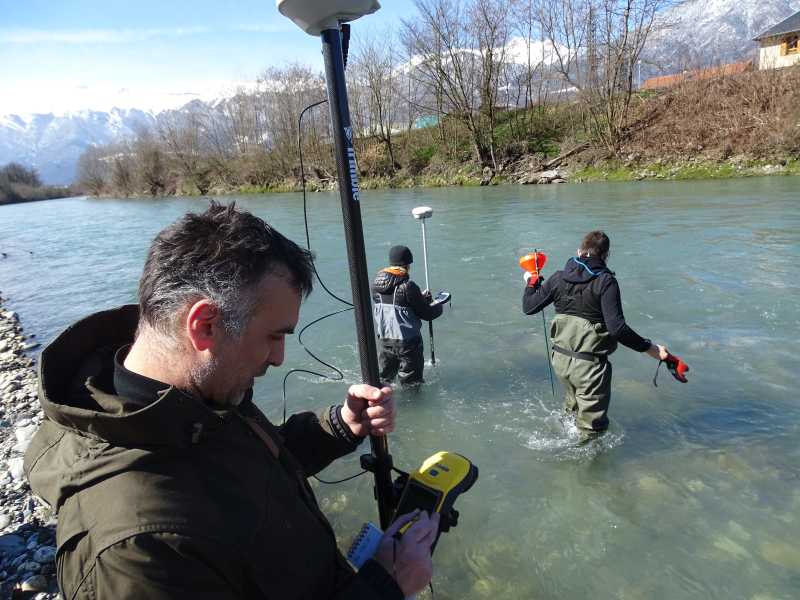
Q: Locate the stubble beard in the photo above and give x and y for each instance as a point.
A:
(214, 370)
(200, 374)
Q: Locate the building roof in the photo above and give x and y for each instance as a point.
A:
(667, 81)
(790, 25)
(663, 81)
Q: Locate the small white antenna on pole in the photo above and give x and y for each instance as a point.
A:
(314, 16)
(421, 213)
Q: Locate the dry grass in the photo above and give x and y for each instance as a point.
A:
(754, 114)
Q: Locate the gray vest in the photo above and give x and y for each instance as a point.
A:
(392, 322)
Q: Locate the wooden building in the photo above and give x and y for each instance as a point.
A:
(780, 45)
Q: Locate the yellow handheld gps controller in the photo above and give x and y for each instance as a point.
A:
(435, 486)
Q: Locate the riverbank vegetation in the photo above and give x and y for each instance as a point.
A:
(20, 184)
(470, 92)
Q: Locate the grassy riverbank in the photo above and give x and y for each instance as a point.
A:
(684, 170)
(610, 170)
(463, 176)
(731, 126)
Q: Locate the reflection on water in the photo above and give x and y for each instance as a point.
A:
(694, 490)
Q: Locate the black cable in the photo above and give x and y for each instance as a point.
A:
(339, 375)
(547, 354)
(399, 472)
(656, 374)
(340, 480)
(305, 208)
(544, 328)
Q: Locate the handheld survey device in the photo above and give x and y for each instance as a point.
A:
(441, 298)
(435, 486)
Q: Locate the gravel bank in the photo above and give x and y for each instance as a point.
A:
(27, 526)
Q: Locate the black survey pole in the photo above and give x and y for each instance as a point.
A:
(356, 256)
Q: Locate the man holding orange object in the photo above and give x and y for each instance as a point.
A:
(588, 325)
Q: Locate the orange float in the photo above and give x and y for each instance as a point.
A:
(534, 262)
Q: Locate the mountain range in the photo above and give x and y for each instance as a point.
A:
(701, 33)
(694, 33)
(52, 144)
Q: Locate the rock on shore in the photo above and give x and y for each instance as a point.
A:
(27, 526)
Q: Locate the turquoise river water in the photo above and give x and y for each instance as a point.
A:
(695, 490)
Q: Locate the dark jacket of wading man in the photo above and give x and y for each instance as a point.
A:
(399, 307)
(160, 496)
(585, 331)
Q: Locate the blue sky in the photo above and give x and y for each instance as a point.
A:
(58, 56)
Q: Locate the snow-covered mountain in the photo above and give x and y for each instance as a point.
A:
(700, 33)
(52, 144)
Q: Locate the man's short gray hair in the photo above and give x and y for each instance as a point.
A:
(222, 254)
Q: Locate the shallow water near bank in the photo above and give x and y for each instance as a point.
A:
(694, 491)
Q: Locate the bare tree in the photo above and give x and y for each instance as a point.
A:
(92, 171)
(285, 92)
(374, 65)
(597, 44)
(123, 169)
(490, 23)
(531, 82)
(239, 113)
(17, 173)
(182, 133)
(459, 49)
(151, 163)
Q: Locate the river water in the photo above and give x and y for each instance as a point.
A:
(693, 493)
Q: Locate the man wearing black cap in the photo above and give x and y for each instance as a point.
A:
(399, 307)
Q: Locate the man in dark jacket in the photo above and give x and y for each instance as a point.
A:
(586, 329)
(399, 308)
(167, 481)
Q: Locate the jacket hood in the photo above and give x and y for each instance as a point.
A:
(84, 414)
(76, 387)
(388, 279)
(583, 270)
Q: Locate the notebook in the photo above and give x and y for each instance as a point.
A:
(365, 545)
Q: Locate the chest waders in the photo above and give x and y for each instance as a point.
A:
(580, 361)
(395, 323)
(401, 351)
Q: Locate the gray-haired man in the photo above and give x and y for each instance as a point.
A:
(168, 482)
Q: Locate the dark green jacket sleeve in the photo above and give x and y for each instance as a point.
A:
(161, 566)
(166, 566)
(371, 581)
(316, 441)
